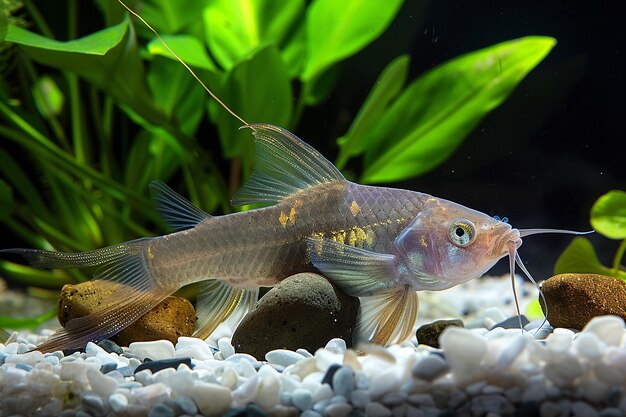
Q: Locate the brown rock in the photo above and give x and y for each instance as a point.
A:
(428, 334)
(170, 319)
(303, 311)
(574, 299)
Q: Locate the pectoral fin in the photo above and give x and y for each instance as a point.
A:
(387, 318)
(358, 272)
(218, 302)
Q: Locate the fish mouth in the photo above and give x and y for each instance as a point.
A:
(501, 247)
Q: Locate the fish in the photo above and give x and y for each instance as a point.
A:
(380, 244)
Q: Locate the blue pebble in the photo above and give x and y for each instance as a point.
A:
(302, 399)
(310, 413)
(161, 410)
(108, 367)
(343, 381)
(127, 371)
(93, 404)
(328, 376)
(110, 346)
(156, 366)
(512, 322)
(3, 357)
(24, 367)
(186, 405)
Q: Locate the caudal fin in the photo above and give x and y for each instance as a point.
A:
(135, 294)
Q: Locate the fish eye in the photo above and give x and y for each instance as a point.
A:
(462, 232)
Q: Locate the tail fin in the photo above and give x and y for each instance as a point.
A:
(136, 292)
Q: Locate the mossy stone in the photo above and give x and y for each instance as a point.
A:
(170, 319)
(428, 334)
(302, 311)
(574, 299)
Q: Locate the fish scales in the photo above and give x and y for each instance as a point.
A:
(253, 248)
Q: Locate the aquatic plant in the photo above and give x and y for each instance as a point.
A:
(608, 217)
(88, 122)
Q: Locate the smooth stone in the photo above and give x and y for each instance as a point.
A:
(375, 409)
(338, 410)
(212, 400)
(255, 410)
(94, 404)
(283, 357)
(430, 368)
(428, 334)
(170, 319)
(512, 350)
(343, 382)
(108, 367)
(118, 402)
(337, 346)
(464, 352)
(582, 409)
(186, 405)
(161, 410)
(609, 329)
(155, 350)
(110, 346)
(513, 322)
(159, 365)
(282, 318)
(302, 399)
(101, 384)
(225, 347)
(330, 373)
(574, 299)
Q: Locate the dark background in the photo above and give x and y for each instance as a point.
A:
(546, 154)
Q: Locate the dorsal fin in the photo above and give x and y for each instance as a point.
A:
(175, 210)
(284, 165)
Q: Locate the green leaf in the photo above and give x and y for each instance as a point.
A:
(188, 48)
(534, 311)
(108, 58)
(30, 323)
(385, 89)
(608, 215)
(168, 16)
(336, 30)
(234, 28)
(258, 89)
(580, 257)
(28, 275)
(435, 113)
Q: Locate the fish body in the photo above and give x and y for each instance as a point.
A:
(379, 244)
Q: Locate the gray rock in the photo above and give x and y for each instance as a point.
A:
(428, 334)
(430, 368)
(343, 381)
(303, 311)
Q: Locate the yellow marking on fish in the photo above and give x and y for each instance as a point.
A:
(423, 242)
(355, 208)
(339, 236)
(319, 242)
(370, 235)
(294, 212)
(357, 236)
(283, 218)
(150, 254)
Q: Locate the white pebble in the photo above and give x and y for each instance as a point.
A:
(336, 345)
(155, 350)
(374, 409)
(464, 351)
(430, 367)
(587, 344)
(338, 410)
(212, 400)
(246, 392)
(511, 351)
(268, 394)
(225, 347)
(101, 384)
(283, 357)
(609, 329)
(118, 402)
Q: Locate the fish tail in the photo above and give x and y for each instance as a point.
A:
(135, 291)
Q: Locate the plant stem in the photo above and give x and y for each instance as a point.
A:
(617, 260)
(39, 20)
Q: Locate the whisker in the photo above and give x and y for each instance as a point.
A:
(529, 232)
(512, 257)
(520, 263)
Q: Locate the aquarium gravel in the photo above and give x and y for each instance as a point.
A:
(486, 370)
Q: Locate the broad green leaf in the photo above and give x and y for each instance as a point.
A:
(188, 48)
(48, 97)
(385, 89)
(30, 323)
(234, 28)
(580, 257)
(608, 215)
(534, 311)
(28, 275)
(168, 16)
(435, 113)
(257, 89)
(108, 58)
(336, 30)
